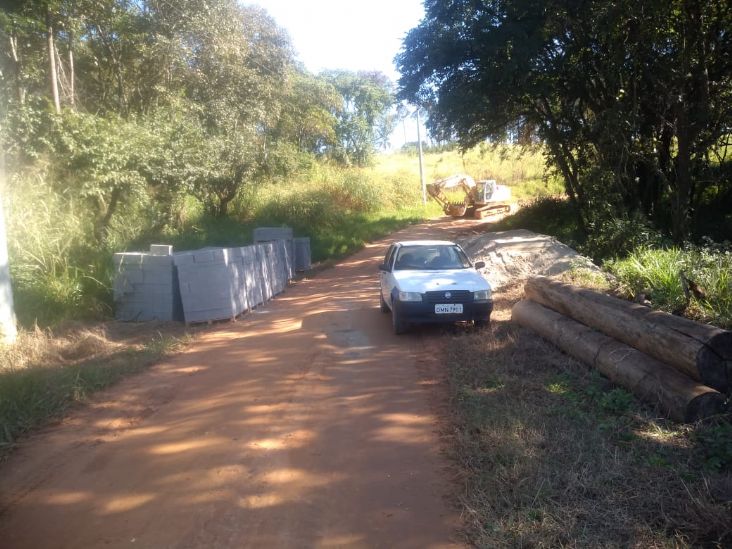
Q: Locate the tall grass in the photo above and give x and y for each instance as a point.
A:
(657, 273)
(523, 169)
(56, 273)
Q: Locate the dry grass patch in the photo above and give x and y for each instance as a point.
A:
(45, 373)
(553, 455)
(39, 347)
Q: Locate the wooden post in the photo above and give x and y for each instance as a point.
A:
(700, 351)
(682, 398)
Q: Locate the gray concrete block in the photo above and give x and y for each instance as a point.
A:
(157, 261)
(183, 258)
(161, 249)
(211, 255)
(206, 284)
(281, 271)
(127, 259)
(263, 270)
(252, 276)
(132, 277)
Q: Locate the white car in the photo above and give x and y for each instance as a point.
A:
(425, 281)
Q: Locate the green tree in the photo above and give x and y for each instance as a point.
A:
(630, 98)
(367, 99)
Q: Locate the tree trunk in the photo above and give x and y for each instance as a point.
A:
(106, 212)
(72, 73)
(680, 397)
(564, 160)
(17, 67)
(53, 75)
(700, 351)
(682, 198)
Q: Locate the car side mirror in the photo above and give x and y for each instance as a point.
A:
(479, 264)
(383, 267)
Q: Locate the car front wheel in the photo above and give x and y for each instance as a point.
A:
(398, 323)
(483, 323)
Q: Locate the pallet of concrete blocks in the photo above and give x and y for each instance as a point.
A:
(283, 263)
(211, 286)
(302, 254)
(252, 276)
(146, 285)
(272, 263)
(238, 280)
(271, 234)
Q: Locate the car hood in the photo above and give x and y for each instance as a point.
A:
(429, 281)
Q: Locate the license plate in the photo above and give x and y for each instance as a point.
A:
(448, 308)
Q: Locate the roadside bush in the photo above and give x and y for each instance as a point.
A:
(550, 215)
(615, 237)
(657, 273)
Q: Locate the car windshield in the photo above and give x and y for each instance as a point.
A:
(437, 257)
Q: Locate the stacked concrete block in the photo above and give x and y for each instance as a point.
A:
(280, 266)
(204, 285)
(146, 286)
(238, 284)
(263, 269)
(302, 254)
(272, 234)
(209, 285)
(252, 278)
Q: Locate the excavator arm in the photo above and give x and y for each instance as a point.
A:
(461, 181)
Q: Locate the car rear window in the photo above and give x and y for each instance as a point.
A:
(431, 258)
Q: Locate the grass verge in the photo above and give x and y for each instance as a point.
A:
(42, 375)
(658, 273)
(553, 455)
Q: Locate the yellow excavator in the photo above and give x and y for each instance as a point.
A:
(481, 198)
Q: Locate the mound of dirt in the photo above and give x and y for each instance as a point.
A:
(519, 254)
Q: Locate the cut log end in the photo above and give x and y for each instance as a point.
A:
(705, 406)
(714, 362)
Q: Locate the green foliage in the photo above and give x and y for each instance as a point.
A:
(631, 99)
(611, 237)
(546, 215)
(657, 273)
(367, 98)
(715, 443)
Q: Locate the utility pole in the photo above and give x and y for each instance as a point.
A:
(8, 329)
(421, 168)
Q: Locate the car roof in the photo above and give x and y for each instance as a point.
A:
(425, 243)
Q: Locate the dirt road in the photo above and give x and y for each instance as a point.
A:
(304, 424)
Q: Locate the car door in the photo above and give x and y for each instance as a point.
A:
(387, 276)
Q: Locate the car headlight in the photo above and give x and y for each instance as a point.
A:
(482, 295)
(410, 296)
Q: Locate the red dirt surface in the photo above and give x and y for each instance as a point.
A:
(304, 424)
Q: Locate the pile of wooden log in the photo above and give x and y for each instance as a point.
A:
(682, 366)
